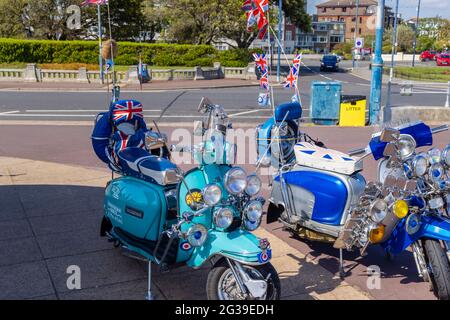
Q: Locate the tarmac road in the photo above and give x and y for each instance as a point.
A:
(181, 105)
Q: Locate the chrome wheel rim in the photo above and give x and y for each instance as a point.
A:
(228, 289)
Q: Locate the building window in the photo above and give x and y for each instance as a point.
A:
(344, 9)
(324, 10)
(352, 30)
(353, 19)
(289, 35)
(360, 19)
(359, 30)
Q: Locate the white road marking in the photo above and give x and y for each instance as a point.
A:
(9, 112)
(79, 110)
(246, 112)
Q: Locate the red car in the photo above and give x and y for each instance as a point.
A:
(443, 59)
(428, 55)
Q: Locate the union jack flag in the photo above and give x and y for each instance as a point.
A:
(97, 2)
(291, 80)
(263, 4)
(247, 6)
(255, 15)
(261, 61)
(127, 110)
(297, 61)
(264, 81)
(263, 30)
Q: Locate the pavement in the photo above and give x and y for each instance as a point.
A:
(49, 221)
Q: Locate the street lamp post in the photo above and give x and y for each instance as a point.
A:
(280, 23)
(377, 67)
(100, 59)
(387, 114)
(415, 34)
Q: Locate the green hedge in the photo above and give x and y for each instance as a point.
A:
(47, 51)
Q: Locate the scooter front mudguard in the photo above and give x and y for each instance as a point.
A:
(239, 245)
(431, 227)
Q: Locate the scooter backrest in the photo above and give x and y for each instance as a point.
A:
(127, 115)
(101, 137)
(292, 109)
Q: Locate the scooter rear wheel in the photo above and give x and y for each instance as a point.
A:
(221, 284)
(440, 268)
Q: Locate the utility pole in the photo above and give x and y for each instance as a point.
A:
(100, 59)
(387, 113)
(377, 67)
(280, 26)
(354, 34)
(415, 34)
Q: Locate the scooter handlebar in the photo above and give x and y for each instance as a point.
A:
(439, 129)
(356, 152)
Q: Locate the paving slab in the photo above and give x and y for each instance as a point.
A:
(21, 250)
(13, 229)
(25, 281)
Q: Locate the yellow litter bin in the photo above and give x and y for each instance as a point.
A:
(353, 111)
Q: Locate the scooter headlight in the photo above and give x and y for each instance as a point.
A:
(436, 172)
(235, 180)
(446, 155)
(251, 225)
(434, 156)
(223, 218)
(420, 165)
(406, 146)
(196, 235)
(253, 211)
(253, 185)
(400, 209)
(212, 194)
(378, 210)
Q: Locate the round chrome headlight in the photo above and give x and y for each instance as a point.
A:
(436, 172)
(212, 194)
(253, 185)
(406, 146)
(253, 211)
(434, 156)
(420, 165)
(235, 180)
(251, 225)
(446, 155)
(223, 218)
(197, 235)
(378, 210)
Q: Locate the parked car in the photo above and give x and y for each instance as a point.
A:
(443, 59)
(339, 57)
(428, 55)
(329, 62)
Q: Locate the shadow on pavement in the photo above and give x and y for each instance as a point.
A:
(45, 229)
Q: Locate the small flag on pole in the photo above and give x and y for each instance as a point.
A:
(264, 81)
(264, 99)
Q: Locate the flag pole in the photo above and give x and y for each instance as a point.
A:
(100, 59)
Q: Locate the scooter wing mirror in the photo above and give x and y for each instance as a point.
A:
(203, 106)
(198, 128)
(389, 134)
(390, 150)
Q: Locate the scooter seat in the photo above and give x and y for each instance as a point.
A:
(140, 163)
(312, 156)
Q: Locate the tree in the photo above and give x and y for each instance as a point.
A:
(154, 19)
(127, 18)
(295, 10)
(405, 38)
(11, 19)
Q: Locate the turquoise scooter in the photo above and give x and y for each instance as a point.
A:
(171, 218)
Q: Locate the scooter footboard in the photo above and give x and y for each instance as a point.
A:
(239, 245)
(430, 227)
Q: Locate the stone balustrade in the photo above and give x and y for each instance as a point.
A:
(33, 74)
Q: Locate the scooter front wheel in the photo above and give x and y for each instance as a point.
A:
(222, 285)
(440, 268)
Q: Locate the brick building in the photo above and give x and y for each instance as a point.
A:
(345, 11)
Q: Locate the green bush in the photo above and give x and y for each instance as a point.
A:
(164, 55)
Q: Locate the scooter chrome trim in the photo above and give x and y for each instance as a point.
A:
(229, 256)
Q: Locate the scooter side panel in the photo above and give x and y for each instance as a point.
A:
(136, 206)
(263, 138)
(431, 227)
(330, 194)
(240, 245)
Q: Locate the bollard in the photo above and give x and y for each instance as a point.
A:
(447, 101)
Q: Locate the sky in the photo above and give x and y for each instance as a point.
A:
(407, 8)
